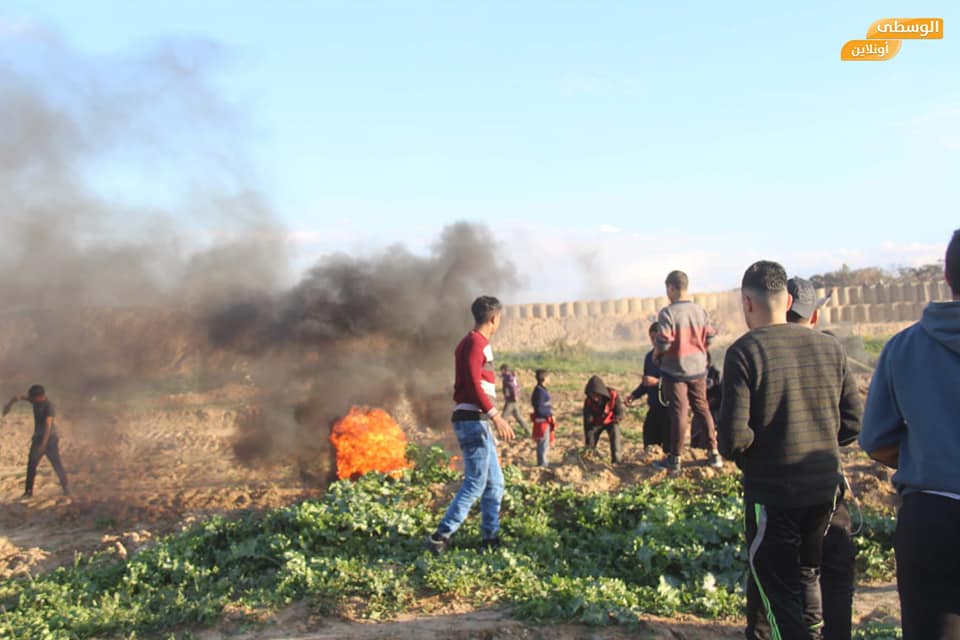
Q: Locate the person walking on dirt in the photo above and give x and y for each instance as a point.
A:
(45, 440)
(544, 423)
(789, 399)
(474, 392)
(837, 577)
(511, 393)
(684, 336)
(656, 424)
(910, 424)
(602, 411)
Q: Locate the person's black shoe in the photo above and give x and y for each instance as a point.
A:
(436, 544)
(26, 495)
(490, 544)
(669, 463)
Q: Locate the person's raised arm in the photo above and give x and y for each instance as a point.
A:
(12, 401)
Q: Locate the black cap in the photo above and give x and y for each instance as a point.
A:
(804, 297)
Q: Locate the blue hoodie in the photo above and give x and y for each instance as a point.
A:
(914, 402)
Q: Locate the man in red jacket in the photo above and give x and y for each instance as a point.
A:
(474, 392)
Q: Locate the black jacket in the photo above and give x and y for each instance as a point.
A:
(789, 401)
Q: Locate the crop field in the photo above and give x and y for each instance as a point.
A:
(590, 549)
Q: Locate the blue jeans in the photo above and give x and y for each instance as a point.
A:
(543, 447)
(482, 478)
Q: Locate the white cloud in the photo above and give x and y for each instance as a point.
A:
(609, 228)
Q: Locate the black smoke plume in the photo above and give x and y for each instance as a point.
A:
(365, 331)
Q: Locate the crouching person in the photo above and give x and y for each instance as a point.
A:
(602, 412)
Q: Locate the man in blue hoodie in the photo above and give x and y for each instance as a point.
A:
(911, 424)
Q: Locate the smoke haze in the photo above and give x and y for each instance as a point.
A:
(136, 242)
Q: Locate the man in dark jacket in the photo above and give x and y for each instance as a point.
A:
(602, 411)
(911, 425)
(839, 552)
(789, 400)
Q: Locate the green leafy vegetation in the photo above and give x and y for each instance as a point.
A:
(877, 631)
(562, 357)
(873, 347)
(664, 548)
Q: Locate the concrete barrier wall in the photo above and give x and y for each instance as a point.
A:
(879, 303)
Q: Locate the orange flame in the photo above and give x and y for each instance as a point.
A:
(368, 440)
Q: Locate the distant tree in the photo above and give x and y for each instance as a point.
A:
(924, 272)
(869, 276)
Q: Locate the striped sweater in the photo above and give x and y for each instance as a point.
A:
(683, 337)
(474, 387)
(788, 402)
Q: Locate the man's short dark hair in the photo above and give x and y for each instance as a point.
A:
(654, 328)
(541, 375)
(484, 308)
(765, 277)
(953, 262)
(678, 280)
(504, 367)
(35, 391)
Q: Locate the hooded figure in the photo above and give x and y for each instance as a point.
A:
(602, 411)
(910, 423)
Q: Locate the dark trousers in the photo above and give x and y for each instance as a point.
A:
(928, 566)
(785, 552)
(836, 585)
(683, 396)
(591, 434)
(52, 451)
(656, 426)
(512, 410)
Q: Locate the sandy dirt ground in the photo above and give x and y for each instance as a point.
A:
(146, 468)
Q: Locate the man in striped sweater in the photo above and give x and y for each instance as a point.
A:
(788, 401)
(474, 392)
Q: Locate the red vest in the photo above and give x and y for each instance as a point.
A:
(604, 415)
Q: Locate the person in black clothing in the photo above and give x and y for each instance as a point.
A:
(544, 423)
(789, 401)
(837, 574)
(602, 411)
(656, 425)
(45, 440)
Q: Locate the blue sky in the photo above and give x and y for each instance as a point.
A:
(606, 143)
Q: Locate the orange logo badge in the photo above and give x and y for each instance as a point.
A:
(869, 49)
(907, 29)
